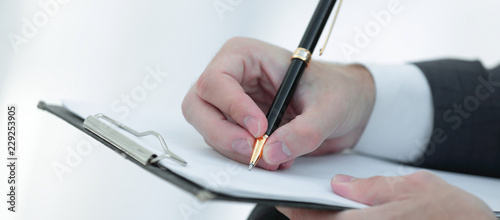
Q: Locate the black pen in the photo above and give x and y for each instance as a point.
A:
(300, 60)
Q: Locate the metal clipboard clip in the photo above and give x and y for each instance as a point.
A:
(131, 148)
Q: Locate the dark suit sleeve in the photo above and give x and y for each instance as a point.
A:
(466, 135)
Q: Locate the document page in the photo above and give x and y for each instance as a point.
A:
(308, 180)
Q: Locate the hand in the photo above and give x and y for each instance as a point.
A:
(421, 195)
(327, 114)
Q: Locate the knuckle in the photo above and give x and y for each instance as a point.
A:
(239, 46)
(186, 106)
(234, 107)
(235, 41)
(375, 182)
(211, 139)
(202, 84)
(185, 110)
(209, 142)
(309, 136)
(370, 188)
(421, 178)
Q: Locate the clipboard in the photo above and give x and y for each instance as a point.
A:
(148, 162)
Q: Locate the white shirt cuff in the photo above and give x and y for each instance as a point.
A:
(401, 122)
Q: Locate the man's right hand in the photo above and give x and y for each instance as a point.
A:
(327, 114)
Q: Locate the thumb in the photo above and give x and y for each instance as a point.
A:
(298, 137)
(370, 191)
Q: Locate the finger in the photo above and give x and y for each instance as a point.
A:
(371, 191)
(223, 81)
(214, 126)
(336, 145)
(242, 67)
(228, 138)
(298, 137)
(232, 100)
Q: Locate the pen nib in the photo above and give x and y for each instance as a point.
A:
(250, 166)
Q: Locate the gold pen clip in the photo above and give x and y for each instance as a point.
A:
(331, 28)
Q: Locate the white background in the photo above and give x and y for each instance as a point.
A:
(99, 50)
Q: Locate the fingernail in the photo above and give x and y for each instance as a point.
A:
(242, 146)
(341, 178)
(278, 152)
(252, 125)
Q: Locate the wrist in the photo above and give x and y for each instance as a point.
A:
(366, 94)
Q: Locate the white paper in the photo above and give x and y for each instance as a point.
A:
(308, 180)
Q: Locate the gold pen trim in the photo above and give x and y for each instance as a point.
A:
(303, 54)
(331, 28)
(257, 151)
